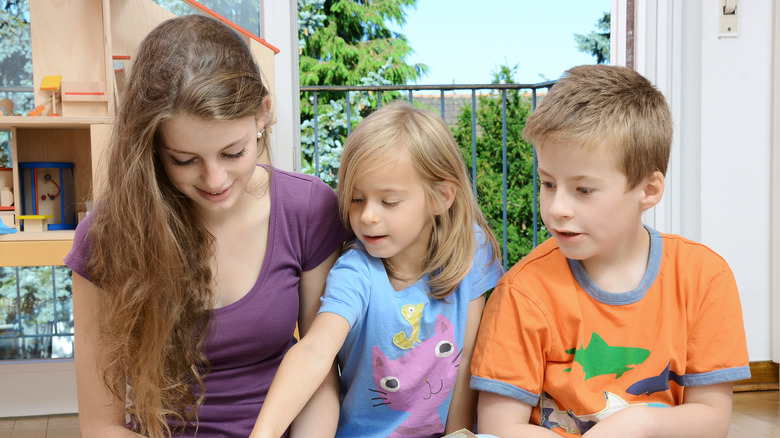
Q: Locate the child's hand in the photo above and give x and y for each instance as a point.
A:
(634, 421)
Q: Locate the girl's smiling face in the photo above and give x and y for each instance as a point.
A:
(210, 161)
(389, 212)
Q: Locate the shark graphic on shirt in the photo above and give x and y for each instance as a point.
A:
(599, 358)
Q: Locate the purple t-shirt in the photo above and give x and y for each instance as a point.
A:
(249, 337)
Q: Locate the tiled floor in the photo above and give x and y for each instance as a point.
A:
(66, 426)
(756, 415)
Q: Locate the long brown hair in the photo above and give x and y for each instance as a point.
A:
(436, 159)
(150, 252)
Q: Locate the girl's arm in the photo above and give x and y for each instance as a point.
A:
(321, 414)
(301, 372)
(463, 407)
(100, 413)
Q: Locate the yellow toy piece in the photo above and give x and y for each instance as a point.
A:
(35, 222)
(51, 84)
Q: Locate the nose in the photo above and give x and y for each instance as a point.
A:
(369, 214)
(214, 175)
(558, 206)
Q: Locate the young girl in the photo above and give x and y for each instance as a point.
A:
(402, 305)
(191, 273)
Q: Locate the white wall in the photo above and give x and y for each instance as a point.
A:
(775, 192)
(279, 27)
(719, 181)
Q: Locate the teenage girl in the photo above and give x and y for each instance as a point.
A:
(191, 273)
(402, 305)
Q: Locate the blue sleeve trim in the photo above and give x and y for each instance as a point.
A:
(717, 376)
(505, 389)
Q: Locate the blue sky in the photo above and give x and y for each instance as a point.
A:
(464, 41)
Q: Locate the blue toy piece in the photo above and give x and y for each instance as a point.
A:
(4, 229)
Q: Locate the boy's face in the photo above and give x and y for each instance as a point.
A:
(585, 205)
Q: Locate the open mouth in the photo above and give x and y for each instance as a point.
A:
(216, 195)
(372, 240)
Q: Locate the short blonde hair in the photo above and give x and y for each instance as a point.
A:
(611, 107)
(436, 159)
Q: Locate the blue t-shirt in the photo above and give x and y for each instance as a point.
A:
(400, 359)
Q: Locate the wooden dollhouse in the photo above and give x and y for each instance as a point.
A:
(87, 45)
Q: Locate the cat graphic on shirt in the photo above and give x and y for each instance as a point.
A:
(420, 381)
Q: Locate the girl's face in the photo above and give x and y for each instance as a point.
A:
(210, 161)
(389, 213)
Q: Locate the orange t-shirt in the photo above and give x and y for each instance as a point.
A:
(551, 338)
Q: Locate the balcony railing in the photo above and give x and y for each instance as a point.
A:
(25, 334)
(373, 95)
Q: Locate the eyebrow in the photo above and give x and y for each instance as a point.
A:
(577, 178)
(389, 191)
(228, 146)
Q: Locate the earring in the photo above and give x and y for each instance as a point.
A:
(260, 133)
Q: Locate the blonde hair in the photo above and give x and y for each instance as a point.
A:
(436, 159)
(150, 252)
(611, 107)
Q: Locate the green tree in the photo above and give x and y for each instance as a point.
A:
(347, 42)
(519, 161)
(15, 62)
(342, 41)
(245, 13)
(596, 42)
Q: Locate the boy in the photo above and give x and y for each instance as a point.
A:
(610, 314)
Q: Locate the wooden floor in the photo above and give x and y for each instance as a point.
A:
(756, 415)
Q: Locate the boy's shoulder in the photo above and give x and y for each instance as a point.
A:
(690, 254)
(546, 266)
(544, 263)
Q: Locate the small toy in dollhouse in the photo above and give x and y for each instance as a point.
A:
(4, 227)
(7, 216)
(6, 188)
(47, 188)
(7, 108)
(35, 222)
(6, 198)
(52, 85)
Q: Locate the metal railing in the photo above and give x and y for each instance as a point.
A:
(36, 313)
(14, 336)
(502, 89)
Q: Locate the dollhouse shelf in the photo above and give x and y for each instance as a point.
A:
(9, 122)
(74, 139)
(47, 248)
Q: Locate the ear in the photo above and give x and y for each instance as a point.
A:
(264, 113)
(446, 191)
(652, 190)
